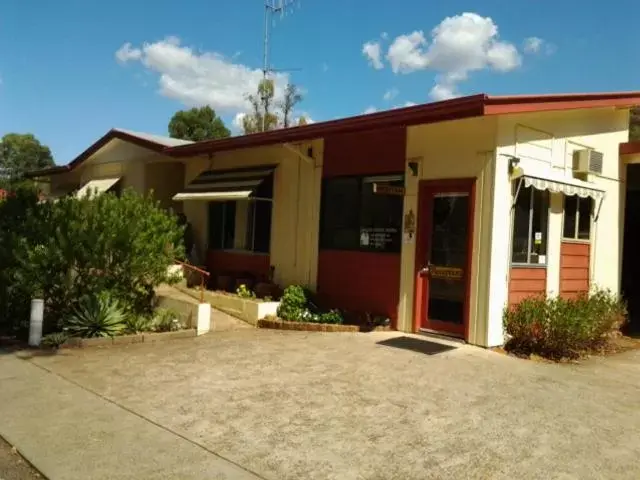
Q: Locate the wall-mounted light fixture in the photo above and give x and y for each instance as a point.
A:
(413, 166)
(513, 163)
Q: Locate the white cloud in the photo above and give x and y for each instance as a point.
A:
(407, 54)
(369, 110)
(536, 45)
(126, 52)
(456, 47)
(532, 44)
(198, 78)
(384, 35)
(237, 121)
(390, 94)
(373, 52)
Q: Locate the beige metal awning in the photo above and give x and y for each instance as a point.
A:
(96, 187)
(221, 185)
(556, 181)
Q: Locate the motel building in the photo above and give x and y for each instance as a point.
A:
(438, 216)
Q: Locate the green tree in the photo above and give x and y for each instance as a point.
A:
(634, 125)
(21, 153)
(197, 124)
(263, 116)
(77, 247)
(292, 97)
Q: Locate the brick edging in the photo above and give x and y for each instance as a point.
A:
(307, 327)
(150, 337)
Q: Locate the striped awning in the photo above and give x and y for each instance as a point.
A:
(556, 181)
(220, 185)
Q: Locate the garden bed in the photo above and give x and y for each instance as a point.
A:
(248, 309)
(150, 337)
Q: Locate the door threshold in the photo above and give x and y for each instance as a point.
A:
(443, 335)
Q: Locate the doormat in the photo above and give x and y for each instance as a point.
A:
(417, 345)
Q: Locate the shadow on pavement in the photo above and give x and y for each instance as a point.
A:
(417, 345)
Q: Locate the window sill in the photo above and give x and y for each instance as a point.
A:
(528, 265)
(239, 251)
(576, 240)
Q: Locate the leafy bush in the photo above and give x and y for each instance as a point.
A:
(54, 340)
(293, 304)
(166, 321)
(332, 316)
(563, 328)
(243, 292)
(138, 324)
(72, 248)
(96, 316)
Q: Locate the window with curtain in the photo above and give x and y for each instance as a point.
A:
(530, 219)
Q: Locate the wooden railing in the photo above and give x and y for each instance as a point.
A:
(203, 274)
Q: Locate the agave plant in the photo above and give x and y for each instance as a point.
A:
(96, 316)
(54, 340)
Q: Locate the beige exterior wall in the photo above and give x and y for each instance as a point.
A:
(458, 149)
(296, 206)
(548, 140)
(165, 179)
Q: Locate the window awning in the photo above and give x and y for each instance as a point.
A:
(555, 181)
(220, 185)
(96, 187)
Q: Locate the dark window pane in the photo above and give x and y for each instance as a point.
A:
(381, 218)
(539, 226)
(585, 206)
(229, 231)
(570, 209)
(262, 226)
(339, 226)
(222, 223)
(520, 244)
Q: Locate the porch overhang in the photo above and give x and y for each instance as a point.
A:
(223, 185)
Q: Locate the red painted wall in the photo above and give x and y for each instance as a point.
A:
(360, 281)
(574, 268)
(352, 280)
(237, 262)
(526, 282)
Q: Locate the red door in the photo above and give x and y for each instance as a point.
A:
(443, 255)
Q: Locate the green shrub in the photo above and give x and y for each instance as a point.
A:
(293, 304)
(166, 321)
(54, 340)
(138, 324)
(563, 328)
(96, 316)
(243, 292)
(332, 316)
(72, 248)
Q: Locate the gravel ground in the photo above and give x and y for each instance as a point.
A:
(377, 406)
(13, 466)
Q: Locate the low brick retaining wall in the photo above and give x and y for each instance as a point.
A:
(316, 327)
(151, 337)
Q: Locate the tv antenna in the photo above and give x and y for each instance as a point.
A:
(271, 9)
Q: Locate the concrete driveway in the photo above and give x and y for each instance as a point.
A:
(295, 405)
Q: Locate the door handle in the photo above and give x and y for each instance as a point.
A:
(424, 271)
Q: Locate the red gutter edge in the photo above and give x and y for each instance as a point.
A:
(110, 135)
(629, 148)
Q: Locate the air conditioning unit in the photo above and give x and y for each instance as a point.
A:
(587, 161)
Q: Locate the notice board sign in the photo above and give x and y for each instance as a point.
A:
(379, 238)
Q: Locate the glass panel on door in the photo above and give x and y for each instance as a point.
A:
(447, 259)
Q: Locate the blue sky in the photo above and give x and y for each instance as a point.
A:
(72, 69)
